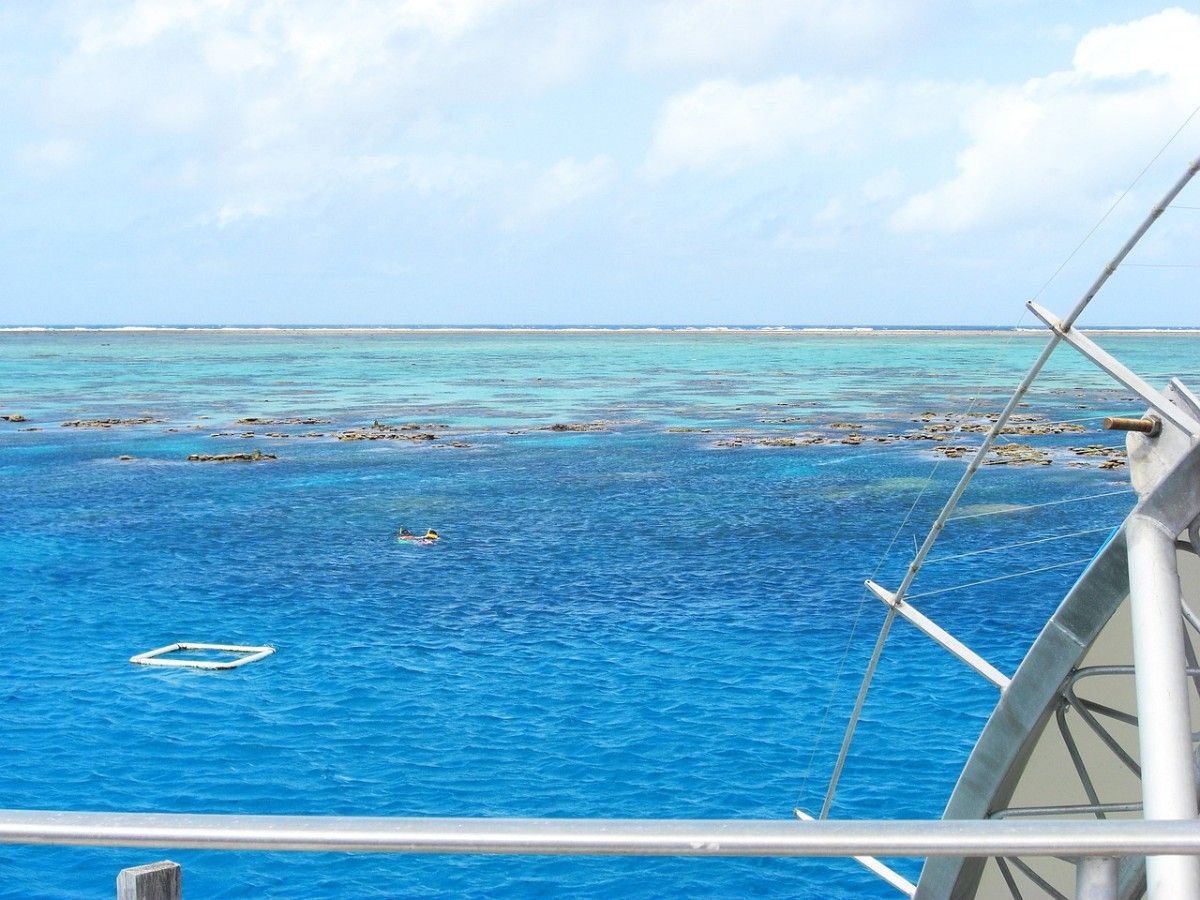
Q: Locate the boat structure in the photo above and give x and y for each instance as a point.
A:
(1083, 782)
(1101, 720)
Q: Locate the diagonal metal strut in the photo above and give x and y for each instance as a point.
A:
(989, 439)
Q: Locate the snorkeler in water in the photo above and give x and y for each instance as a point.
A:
(427, 538)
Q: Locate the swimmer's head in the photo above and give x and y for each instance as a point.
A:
(433, 535)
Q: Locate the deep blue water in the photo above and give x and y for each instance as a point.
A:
(633, 622)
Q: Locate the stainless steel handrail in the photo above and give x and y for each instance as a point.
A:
(592, 837)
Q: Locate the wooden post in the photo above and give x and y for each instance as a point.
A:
(156, 881)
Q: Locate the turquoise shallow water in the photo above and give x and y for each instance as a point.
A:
(630, 622)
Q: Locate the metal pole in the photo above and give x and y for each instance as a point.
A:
(1096, 878)
(915, 566)
(604, 837)
(977, 460)
(1164, 717)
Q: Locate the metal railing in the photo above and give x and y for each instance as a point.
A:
(604, 837)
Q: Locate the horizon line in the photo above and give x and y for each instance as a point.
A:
(548, 327)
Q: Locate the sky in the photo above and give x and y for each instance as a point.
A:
(760, 162)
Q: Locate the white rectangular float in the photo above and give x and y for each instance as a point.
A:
(158, 657)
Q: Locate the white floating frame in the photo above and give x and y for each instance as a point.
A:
(158, 657)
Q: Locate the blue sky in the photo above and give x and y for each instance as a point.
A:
(517, 161)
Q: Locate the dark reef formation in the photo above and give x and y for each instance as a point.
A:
(111, 423)
(256, 456)
(598, 425)
(785, 432)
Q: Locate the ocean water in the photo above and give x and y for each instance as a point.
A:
(632, 621)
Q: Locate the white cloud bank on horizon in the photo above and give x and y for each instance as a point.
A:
(1063, 140)
(272, 110)
(1059, 141)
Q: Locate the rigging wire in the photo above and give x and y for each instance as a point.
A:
(862, 603)
(866, 595)
(975, 402)
(1117, 202)
(1165, 265)
(1017, 509)
(1094, 418)
(1014, 427)
(998, 548)
(995, 578)
(1018, 422)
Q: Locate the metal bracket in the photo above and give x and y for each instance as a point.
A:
(1155, 399)
(941, 636)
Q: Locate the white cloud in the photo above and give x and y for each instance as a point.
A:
(227, 60)
(275, 104)
(278, 107)
(51, 155)
(232, 212)
(1166, 44)
(843, 216)
(565, 184)
(722, 126)
(139, 23)
(451, 175)
(1060, 141)
(884, 186)
(693, 33)
(316, 30)
(260, 189)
